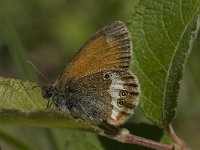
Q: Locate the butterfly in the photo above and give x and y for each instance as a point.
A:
(98, 84)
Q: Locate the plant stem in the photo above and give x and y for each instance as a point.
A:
(133, 139)
(176, 139)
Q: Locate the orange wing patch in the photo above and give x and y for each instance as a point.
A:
(110, 48)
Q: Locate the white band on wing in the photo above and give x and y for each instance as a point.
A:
(115, 87)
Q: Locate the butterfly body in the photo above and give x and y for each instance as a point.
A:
(98, 85)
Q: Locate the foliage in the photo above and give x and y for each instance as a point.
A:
(163, 34)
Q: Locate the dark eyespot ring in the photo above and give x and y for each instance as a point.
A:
(106, 76)
(120, 103)
(123, 93)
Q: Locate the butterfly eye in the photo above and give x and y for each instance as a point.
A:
(106, 76)
(120, 103)
(123, 93)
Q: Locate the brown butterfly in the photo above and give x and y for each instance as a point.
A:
(98, 84)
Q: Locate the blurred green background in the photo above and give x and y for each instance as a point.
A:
(48, 33)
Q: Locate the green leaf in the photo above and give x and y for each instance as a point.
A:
(76, 140)
(22, 104)
(162, 31)
(12, 141)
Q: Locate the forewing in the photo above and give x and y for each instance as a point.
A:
(109, 48)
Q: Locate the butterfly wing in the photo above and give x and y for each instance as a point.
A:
(108, 52)
(109, 100)
(109, 48)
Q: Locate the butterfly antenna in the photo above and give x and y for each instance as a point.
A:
(38, 71)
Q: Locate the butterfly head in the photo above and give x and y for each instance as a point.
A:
(48, 91)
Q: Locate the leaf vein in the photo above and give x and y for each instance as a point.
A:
(181, 13)
(151, 51)
(151, 82)
(165, 29)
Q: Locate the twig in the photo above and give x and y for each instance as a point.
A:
(129, 138)
(177, 141)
